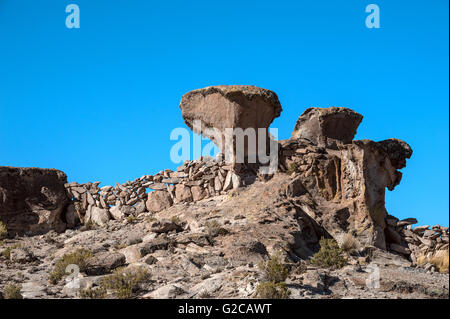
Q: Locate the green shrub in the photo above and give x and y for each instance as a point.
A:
(293, 168)
(12, 291)
(6, 253)
(329, 255)
(90, 225)
(131, 219)
(272, 290)
(349, 244)
(125, 282)
(79, 258)
(176, 220)
(93, 293)
(3, 231)
(274, 269)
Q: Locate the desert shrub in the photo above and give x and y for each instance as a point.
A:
(6, 253)
(275, 273)
(12, 291)
(293, 168)
(3, 231)
(274, 269)
(205, 295)
(124, 282)
(93, 293)
(329, 255)
(349, 244)
(440, 260)
(272, 290)
(131, 219)
(214, 229)
(90, 225)
(78, 257)
(176, 220)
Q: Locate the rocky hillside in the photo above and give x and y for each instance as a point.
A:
(315, 228)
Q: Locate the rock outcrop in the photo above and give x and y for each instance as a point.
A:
(327, 126)
(32, 200)
(346, 179)
(201, 229)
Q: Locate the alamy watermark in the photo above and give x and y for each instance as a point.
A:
(373, 19)
(73, 19)
(236, 145)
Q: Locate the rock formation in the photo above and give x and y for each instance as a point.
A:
(209, 220)
(32, 200)
(218, 108)
(327, 126)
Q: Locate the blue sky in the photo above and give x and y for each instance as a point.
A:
(100, 102)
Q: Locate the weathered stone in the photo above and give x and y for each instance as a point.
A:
(140, 207)
(397, 150)
(400, 249)
(183, 193)
(71, 216)
(116, 213)
(164, 226)
(406, 222)
(32, 200)
(158, 201)
(154, 245)
(327, 126)
(132, 254)
(198, 193)
(158, 186)
(97, 215)
(104, 262)
(21, 255)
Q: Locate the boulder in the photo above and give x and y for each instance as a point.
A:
(327, 126)
(32, 200)
(158, 201)
(104, 262)
(97, 215)
(183, 193)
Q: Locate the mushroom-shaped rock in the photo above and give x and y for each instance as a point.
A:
(327, 126)
(217, 108)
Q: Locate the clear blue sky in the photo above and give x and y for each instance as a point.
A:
(100, 102)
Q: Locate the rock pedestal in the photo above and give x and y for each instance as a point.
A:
(212, 110)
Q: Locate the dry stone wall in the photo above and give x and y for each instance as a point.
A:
(192, 181)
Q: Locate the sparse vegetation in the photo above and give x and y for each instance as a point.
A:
(176, 220)
(93, 293)
(293, 168)
(12, 291)
(79, 258)
(3, 231)
(274, 270)
(6, 253)
(440, 260)
(214, 229)
(131, 219)
(90, 225)
(275, 273)
(272, 290)
(329, 255)
(151, 219)
(349, 244)
(124, 282)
